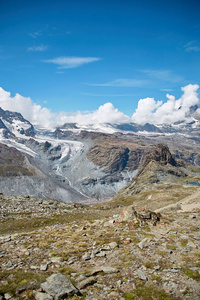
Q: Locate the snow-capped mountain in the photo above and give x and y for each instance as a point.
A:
(14, 123)
(75, 163)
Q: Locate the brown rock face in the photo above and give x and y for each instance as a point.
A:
(160, 154)
(116, 154)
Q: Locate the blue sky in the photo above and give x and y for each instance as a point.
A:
(77, 55)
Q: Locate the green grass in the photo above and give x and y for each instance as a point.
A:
(192, 274)
(9, 226)
(148, 293)
(16, 278)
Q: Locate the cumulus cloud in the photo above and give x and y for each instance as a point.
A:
(150, 111)
(106, 113)
(69, 62)
(30, 110)
(42, 116)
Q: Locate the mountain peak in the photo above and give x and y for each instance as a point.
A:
(161, 154)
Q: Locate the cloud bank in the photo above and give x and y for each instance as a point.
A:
(148, 110)
(42, 116)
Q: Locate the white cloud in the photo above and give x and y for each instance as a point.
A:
(150, 111)
(124, 82)
(35, 34)
(163, 75)
(39, 48)
(106, 113)
(145, 110)
(42, 116)
(166, 90)
(30, 110)
(192, 46)
(69, 62)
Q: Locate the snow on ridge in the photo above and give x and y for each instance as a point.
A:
(20, 147)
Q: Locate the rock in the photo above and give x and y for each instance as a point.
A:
(144, 243)
(43, 267)
(191, 244)
(86, 282)
(42, 296)
(86, 256)
(101, 254)
(174, 270)
(192, 216)
(58, 286)
(127, 214)
(109, 223)
(94, 253)
(56, 259)
(127, 241)
(105, 270)
(81, 277)
(7, 296)
(113, 245)
(141, 275)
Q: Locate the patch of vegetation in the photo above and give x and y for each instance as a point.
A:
(149, 265)
(192, 274)
(171, 247)
(148, 293)
(9, 226)
(11, 280)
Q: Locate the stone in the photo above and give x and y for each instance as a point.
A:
(144, 243)
(58, 286)
(113, 245)
(141, 275)
(81, 277)
(43, 267)
(7, 296)
(56, 259)
(191, 244)
(127, 214)
(109, 223)
(86, 256)
(105, 270)
(101, 254)
(174, 270)
(86, 282)
(127, 241)
(42, 296)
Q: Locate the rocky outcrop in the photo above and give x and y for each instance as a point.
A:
(158, 166)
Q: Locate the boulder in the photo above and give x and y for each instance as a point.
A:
(59, 287)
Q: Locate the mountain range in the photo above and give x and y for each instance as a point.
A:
(86, 163)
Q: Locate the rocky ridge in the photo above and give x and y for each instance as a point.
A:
(158, 166)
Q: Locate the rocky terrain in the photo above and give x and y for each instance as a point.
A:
(56, 250)
(53, 250)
